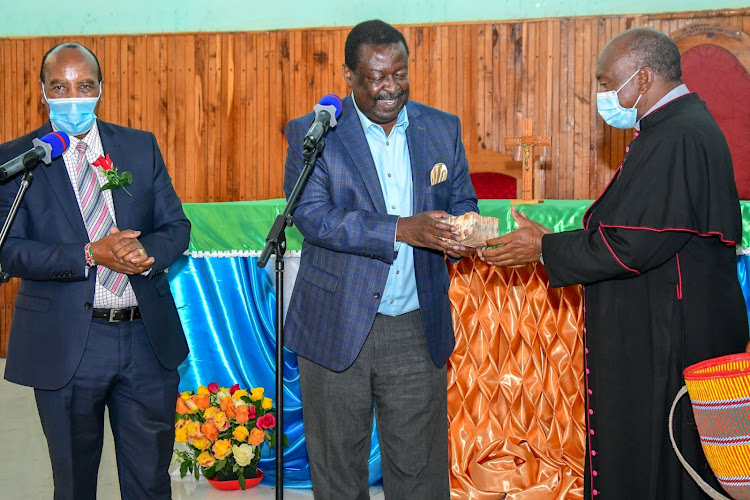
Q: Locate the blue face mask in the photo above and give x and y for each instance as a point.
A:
(73, 115)
(609, 108)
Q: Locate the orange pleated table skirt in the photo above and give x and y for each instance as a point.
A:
(515, 385)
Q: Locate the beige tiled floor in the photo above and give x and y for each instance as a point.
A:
(25, 472)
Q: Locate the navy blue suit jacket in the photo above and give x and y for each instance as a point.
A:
(45, 249)
(349, 236)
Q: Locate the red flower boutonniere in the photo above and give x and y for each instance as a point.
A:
(115, 179)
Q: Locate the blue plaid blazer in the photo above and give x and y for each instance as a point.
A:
(348, 234)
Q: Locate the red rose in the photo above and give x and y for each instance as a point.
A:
(267, 421)
(233, 389)
(105, 163)
(213, 388)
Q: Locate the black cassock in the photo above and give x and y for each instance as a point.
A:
(657, 261)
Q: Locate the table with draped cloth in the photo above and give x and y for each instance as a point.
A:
(515, 379)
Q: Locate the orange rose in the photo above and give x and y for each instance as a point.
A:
(242, 413)
(256, 437)
(182, 408)
(227, 406)
(240, 433)
(210, 431)
(201, 401)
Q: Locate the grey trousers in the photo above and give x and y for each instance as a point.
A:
(393, 372)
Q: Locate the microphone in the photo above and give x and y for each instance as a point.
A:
(45, 149)
(326, 112)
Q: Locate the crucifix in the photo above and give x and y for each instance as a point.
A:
(527, 143)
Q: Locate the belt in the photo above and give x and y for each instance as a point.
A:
(113, 315)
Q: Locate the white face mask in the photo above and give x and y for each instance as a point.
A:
(72, 115)
(614, 114)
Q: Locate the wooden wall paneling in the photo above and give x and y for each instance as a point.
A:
(468, 91)
(162, 102)
(500, 84)
(507, 57)
(257, 97)
(441, 67)
(201, 134)
(7, 83)
(182, 92)
(231, 145)
(268, 110)
(185, 161)
(564, 160)
(139, 63)
(588, 101)
(218, 103)
(123, 90)
(491, 69)
(18, 104)
(276, 164)
(246, 160)
(169, 140)
(579, 115)
(461, 78)
(534, 108)
(479, 120)
(552, 170)
(540, 102)
(454, 77)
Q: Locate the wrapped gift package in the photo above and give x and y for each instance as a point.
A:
(473, 229)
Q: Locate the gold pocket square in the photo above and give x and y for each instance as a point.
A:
(439, 174)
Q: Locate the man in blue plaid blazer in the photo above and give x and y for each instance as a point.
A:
(370, 315)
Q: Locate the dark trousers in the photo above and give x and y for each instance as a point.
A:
(395, 372)
(118, 370)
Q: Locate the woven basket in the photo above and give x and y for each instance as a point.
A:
(719, 391)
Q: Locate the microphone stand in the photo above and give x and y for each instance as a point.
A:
(25, 182)
(276, 244)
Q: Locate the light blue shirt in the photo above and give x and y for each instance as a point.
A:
(393, 164)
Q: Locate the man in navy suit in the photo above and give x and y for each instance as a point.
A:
(95, 323)
(370, 316)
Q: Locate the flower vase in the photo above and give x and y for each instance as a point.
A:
(234, 484)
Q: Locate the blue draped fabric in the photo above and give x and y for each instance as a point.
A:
(743, 273)
(227, 307)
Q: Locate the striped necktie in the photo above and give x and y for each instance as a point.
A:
(96, 217)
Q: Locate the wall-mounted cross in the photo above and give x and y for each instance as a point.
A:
(527, 143)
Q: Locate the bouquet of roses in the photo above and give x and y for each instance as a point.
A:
(222, 431)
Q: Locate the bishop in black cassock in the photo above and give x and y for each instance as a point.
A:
(656, 256)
